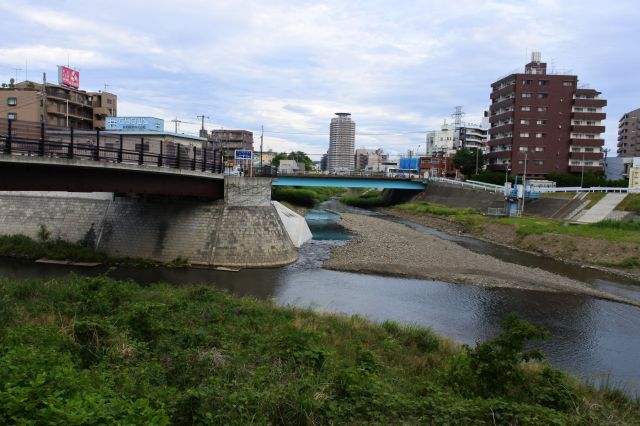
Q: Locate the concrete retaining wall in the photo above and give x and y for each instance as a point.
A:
(203, 232)
(455, 196)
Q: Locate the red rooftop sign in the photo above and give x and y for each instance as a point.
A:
(68, 76)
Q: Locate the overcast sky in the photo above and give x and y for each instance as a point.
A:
(399, 67)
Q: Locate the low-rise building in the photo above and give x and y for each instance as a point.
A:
(437, 166)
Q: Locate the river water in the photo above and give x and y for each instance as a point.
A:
(595, 339)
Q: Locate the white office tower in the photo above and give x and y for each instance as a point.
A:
(342, 139)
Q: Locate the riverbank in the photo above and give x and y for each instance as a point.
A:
(605, 247)
(384, 247)
(85, 350)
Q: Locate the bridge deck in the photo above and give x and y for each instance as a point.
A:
(349, 182)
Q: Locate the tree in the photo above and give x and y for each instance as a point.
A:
(297, 156)
(467, 158)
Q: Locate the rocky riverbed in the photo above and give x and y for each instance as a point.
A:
(383, 247)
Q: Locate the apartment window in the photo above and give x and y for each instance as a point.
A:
(539, 149)
(592, 109)
(578, 109)
(588, 150)
(527, 82)
(543, 95)
(12, 101)
(520, 161)
(109, 101)
(12, 116)
(542, 109)
(525, 108)
(524, 135)
(575, 163)
(524, 149)
(541, 122)
(588, 163)
(567, 83)
(539, 135)
(538, 162)
(524, 121)
(543, 82)
(526, 95)
(591, 123)
(578, 122)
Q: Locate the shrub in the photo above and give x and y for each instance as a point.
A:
(43, 233)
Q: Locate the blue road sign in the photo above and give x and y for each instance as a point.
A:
(243, 154)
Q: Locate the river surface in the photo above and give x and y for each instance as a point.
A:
(595, 339)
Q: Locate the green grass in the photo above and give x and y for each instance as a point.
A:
(305, 197)
(27, 248)
(367, 199)
(78, 350)
(594, 197)
(621, 231)
(631, 203)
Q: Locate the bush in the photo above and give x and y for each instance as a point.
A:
(367, 199)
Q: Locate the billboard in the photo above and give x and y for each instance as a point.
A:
(134, 123)
(68, 76)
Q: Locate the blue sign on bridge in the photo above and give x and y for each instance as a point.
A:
(243, 154)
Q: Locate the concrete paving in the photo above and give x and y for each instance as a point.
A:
(602, 208)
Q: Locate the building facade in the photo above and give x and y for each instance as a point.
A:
(629, 134)
(442, 142)
(57, 105)
(227, 142)
(545, 120)
(473, 136)
(342, 138)
(437, 166)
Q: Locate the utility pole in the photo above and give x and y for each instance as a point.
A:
(202, 117)
(176, 121)
(261, 140)
(67, 102)
(43, 114)
(106, 86)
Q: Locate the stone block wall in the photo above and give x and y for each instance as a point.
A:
(247, 191)
(203, 232)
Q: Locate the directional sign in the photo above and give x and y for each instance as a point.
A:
(243, 154)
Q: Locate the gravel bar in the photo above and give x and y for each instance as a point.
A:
(387, 248)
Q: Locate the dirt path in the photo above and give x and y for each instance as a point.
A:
(385, 247)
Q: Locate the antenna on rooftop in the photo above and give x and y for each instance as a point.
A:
(457, 116)
(176, 121)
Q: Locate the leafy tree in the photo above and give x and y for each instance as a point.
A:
(298, 156)
(465, 160)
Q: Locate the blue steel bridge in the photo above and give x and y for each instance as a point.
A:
(350, 181)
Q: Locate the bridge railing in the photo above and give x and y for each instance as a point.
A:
(378, 175)
(34, 139)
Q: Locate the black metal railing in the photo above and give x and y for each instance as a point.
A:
(33, 139)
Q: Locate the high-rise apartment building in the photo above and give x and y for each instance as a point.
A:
(57, 105)
(629, 134)
(342, 138)
(546, 120)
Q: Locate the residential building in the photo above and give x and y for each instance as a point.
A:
(57, 105)
(289, 167)
(546, 120)
(323, 162)
(342, 137)
(442, 141)
(437, 166)
(361, 158)
(629, 134)
(473, 136)
(228, 141)
(368, 157)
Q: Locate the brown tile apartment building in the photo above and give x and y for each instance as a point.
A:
(547, 119)
(629, 134)
(64, 106)
(228, 141)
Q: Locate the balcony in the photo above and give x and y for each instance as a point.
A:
(587, 129)
(595, 116)
(597, 103)
(500, 141)
(504, 91)
(587, 156)
(500, 117)
(500, 128)
(586, 142)
(503, 103)
(102, 111)
(500, 154)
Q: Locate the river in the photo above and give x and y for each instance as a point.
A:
(596, 340)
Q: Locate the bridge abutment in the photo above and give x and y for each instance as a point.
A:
(246, 231)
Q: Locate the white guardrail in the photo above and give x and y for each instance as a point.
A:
(499, 188)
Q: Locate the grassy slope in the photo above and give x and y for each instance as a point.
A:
(95, 350)
(606, 230)
(631, 203)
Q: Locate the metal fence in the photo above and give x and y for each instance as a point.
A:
(36, 139)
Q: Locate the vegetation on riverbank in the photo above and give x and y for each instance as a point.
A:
(365, 199)
(631, 203)
(304, 197)
(25, 247)
(95, 350)
(608, 243)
